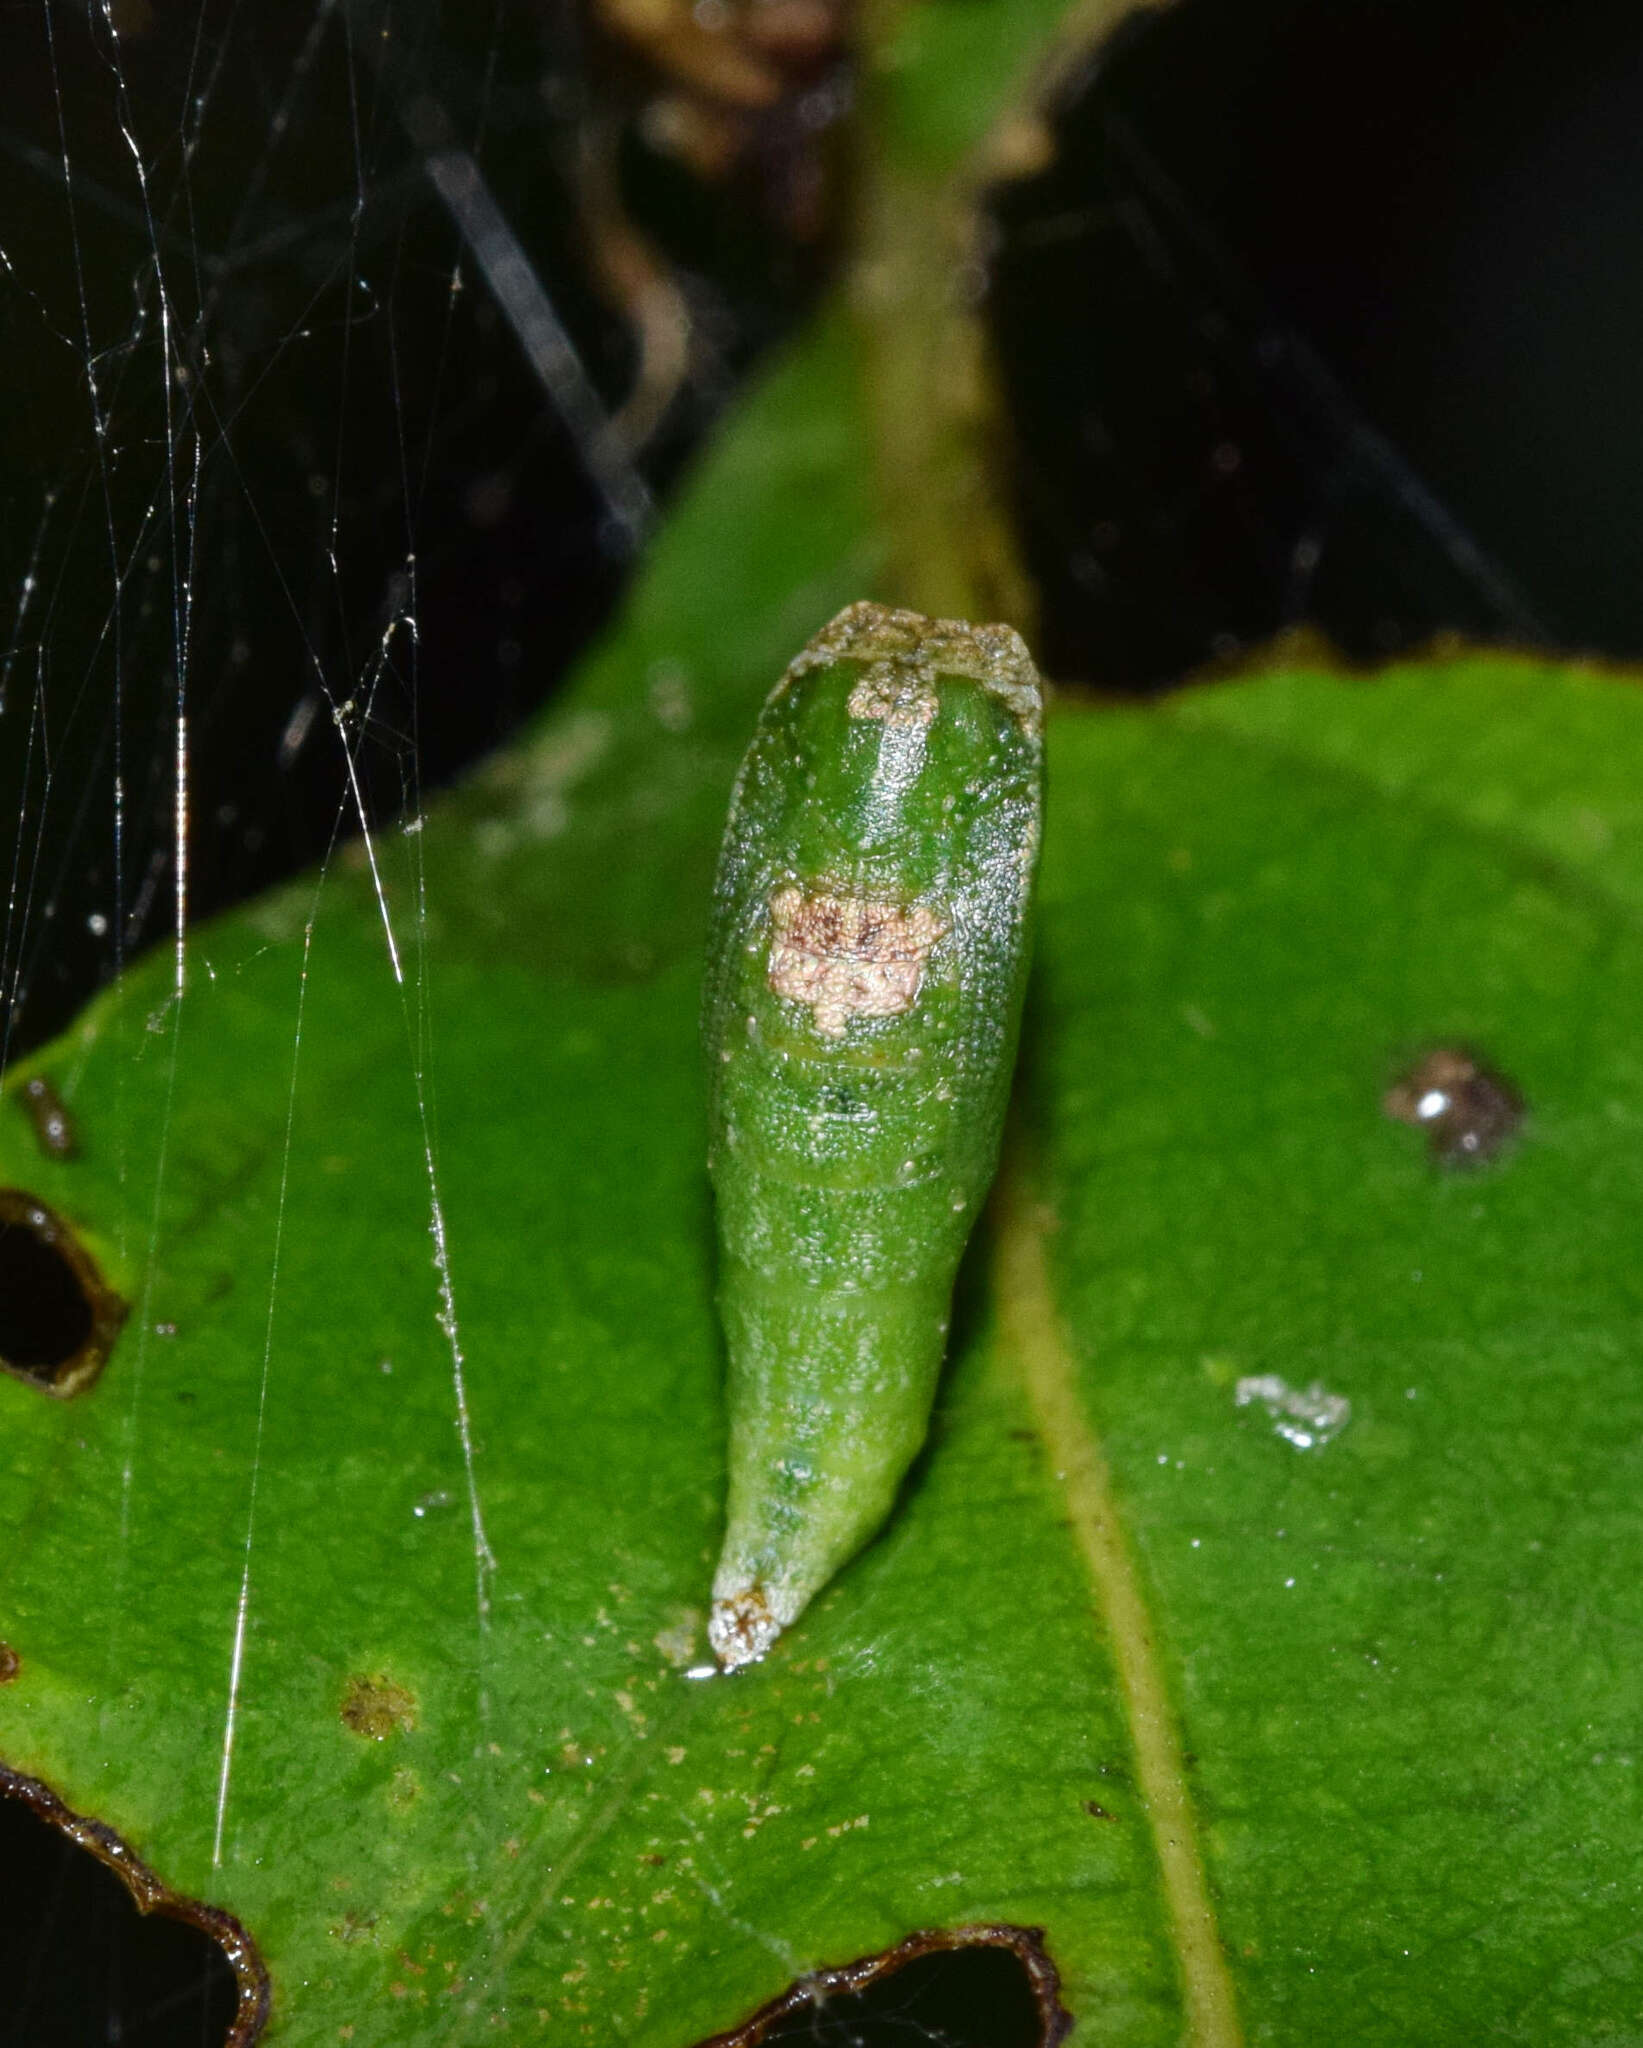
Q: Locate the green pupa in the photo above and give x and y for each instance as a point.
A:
(866, 965)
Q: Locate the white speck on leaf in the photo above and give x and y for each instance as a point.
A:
(1307, 1417)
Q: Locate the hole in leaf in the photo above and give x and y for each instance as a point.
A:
(95, 1947)
(959, 1987)
(58, 1316)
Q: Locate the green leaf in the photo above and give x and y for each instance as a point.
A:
(1400, 1663)
(1403, 1662)
(1328, 1744)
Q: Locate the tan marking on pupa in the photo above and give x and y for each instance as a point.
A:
(994, 656)
(895, 694)
(846, 956)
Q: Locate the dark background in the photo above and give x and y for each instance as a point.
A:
(1325, 320)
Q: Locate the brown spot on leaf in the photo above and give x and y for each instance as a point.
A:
(54, 1127)
(58, 1316)
(1469, 1110)
(1097, 1811)
(847, 956)
(376, 1708)
(925, 1954)
(151, 1894)
(10, 1664)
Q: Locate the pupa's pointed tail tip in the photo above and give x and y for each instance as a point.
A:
(742, 1628)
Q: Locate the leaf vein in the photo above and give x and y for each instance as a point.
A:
(1035, 1348)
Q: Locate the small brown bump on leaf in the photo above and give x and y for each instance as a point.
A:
(151, 1894)
(1468, 1109)
(54, 1127)
(376, 1708)
(58, 1315)
(1097, 1811)
(10, 1664)
(791, 2015)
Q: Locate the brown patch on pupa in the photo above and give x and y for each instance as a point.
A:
(376, 1708)
(1469, 1110)
(10, 1664)
(816, 1987)
(895, 694)
(847, 956)
(58, 1315)
(152, 1894)
(994, 656)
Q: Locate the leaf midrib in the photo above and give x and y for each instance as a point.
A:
(1033, 1347)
